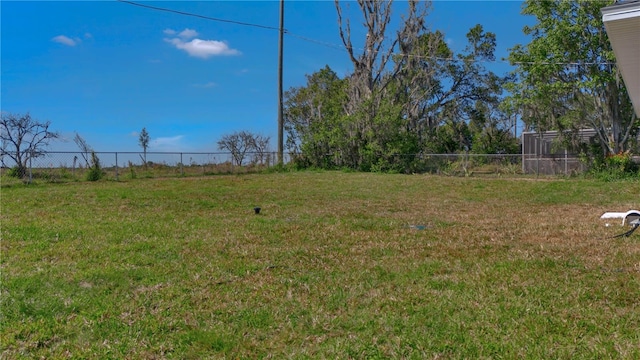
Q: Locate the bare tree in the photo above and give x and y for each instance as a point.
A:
(238, 144)
(260, 147)
(85, 148)
(372, 67)
(23, 138)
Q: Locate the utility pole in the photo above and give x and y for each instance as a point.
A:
(280, 110)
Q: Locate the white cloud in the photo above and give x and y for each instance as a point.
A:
(169, 31)
(173, 143)
(203, 48)
(210, 84)
(88, 36)
(61, 39)
(188, 34)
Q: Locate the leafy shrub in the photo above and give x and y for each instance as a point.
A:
(621, 162)
(615, 167)
(95, 172)
(17, 171)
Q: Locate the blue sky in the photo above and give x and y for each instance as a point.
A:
(106, 69)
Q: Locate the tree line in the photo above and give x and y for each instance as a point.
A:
(410, 94)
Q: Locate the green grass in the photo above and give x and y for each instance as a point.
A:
(331, 268)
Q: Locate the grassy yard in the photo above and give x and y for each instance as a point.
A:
(337, 265)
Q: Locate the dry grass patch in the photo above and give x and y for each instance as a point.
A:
(336, 266)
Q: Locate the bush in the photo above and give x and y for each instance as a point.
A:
(615, 167)
(17, 171)
(95, 172)
(621, 162)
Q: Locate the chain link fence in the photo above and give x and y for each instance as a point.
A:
(75, 166)
(551, 164)
(57, 166)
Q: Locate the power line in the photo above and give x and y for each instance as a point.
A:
(319, 42)
(451, 59)
(200, 16)
(343, 48)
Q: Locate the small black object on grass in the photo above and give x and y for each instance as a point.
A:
(257, 210)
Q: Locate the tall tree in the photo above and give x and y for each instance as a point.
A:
(404, 86)
(85, 148)
(420, 77)
(23, 138)
(143, 141)
(441, 88)
(373, 71)
(567, 78)
(313, 117)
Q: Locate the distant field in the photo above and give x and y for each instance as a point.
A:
(337, 265)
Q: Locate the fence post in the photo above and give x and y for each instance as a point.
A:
(116, 166)
(181, 166)
(539, 142)
(522, 141)
(30, 165)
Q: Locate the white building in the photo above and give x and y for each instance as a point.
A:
(622, 23)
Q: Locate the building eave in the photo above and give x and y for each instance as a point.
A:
(622, 23)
